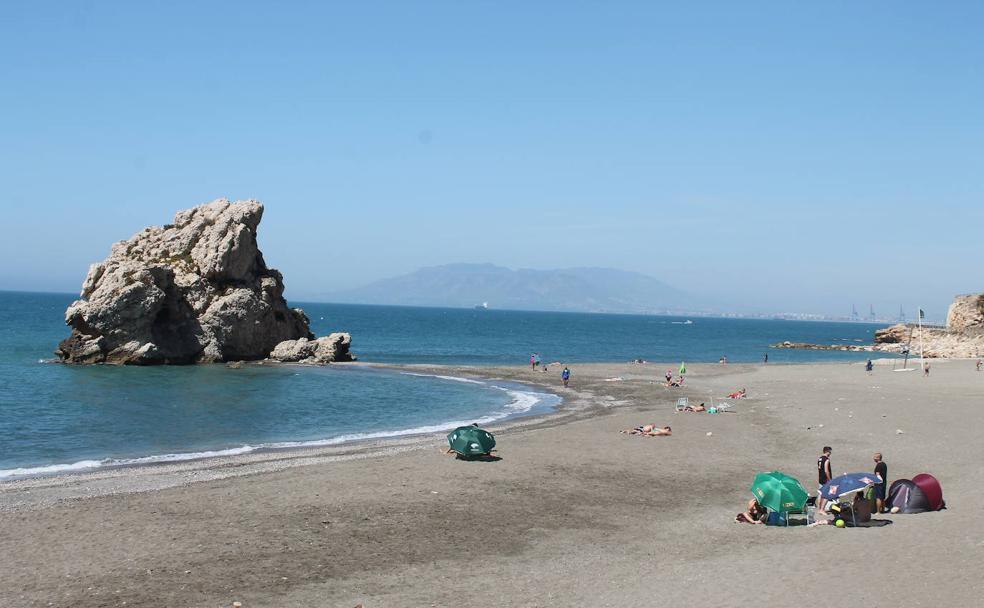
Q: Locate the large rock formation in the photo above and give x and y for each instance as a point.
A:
(966, 314)
(194, 291)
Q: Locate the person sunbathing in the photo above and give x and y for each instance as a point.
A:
(755, 514)
(737, 395)
(650, 430)
(699, 408)
(640, 430)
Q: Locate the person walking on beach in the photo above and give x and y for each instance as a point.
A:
(978, 365)
(881, 470)
(765, 359)
(925, 370)
(565, 376)
(533, 361)
(868, 367)
(824, 469)
(536, 360)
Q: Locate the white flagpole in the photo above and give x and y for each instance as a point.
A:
(922, 363)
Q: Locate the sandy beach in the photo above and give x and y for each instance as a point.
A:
(574, 513)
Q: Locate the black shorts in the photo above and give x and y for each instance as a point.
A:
(880, 491)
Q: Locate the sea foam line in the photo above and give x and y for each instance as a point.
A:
(522, 401)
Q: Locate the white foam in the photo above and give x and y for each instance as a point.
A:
(454, 378)
(54, 468)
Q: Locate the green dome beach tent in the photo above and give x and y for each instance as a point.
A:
(779, 492)
(471, 441)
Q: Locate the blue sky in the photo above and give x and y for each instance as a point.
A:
(784, 156)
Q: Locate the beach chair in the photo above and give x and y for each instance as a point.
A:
(682, 404)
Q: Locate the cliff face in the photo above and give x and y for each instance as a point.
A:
(194, 291)
(966, 314)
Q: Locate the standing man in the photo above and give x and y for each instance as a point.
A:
(925, 370)
(869, 366)
(823, 473)
(978, 365)
(881, 470)
(565, 376)
(533, 361)
(765, 359)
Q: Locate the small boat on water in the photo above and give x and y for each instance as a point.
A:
(482, 306)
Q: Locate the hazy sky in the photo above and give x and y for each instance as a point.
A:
(791, 156)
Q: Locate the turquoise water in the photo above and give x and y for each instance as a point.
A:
(58, 417)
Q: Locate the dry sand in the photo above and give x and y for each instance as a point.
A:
(575, 514)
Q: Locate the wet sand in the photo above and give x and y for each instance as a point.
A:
(574, 514)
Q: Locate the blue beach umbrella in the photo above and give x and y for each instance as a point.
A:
(846, 484)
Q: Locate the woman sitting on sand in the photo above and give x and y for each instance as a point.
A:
(737, 395)
(755, 514)
(650, 430)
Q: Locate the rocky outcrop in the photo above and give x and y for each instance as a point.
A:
(194, 291)
(808, 346)
(933, 342)
(963, 337)
(330, 348)
(966, 315)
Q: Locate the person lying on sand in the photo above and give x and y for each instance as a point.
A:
(699, 408)
(737, 395)
(755, 514)
(650, 430)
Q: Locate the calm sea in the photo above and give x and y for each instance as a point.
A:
(57, 417)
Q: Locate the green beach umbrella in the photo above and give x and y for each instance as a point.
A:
(471, 441)
(683, 368)
(779, 492)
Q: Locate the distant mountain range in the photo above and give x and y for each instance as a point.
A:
(566, 289)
